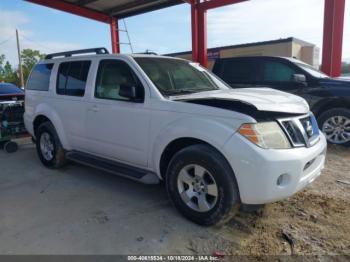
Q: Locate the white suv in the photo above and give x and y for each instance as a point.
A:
(153, 118)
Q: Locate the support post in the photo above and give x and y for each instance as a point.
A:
(202, 37)
(194, 27)
(333, 37)
(21, 79)
(115, 36)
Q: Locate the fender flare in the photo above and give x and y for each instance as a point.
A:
(196, 128)
(52, 115)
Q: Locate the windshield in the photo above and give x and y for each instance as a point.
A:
(7, 89)
(312, 71)
(177, 77)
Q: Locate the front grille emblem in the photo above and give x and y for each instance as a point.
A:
(308, 128)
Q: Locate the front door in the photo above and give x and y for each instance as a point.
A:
(116, 126)
(279, 75)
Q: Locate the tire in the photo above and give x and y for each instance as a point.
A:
(216, 168)
(336, 120)
(2, 144)
(55, 159)
(11, 147)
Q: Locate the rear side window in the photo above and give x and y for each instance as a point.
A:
(40, 77)
(71, 78)
(239, 71)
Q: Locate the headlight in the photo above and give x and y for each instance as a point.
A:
(265, 135)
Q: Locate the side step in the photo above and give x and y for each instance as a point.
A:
(113, 167)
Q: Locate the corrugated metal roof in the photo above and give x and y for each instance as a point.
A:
(124, 8)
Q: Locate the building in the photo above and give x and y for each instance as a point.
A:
(289, 47)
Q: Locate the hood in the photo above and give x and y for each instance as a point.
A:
(263, 99)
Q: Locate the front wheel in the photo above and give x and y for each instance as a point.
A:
(335, 124)
(202, 186)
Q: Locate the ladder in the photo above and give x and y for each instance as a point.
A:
(125, 30)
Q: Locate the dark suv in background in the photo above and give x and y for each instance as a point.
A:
(329, 98)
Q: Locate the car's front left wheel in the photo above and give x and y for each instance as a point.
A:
(202, 185)
(49, 147)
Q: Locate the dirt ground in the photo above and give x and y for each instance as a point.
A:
(80, 210)
(315, 221)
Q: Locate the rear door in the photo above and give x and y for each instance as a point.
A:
(69, 101)
(239, 72)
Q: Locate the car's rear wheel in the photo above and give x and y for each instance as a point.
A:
(335, 124)
(48, 145)
(201, 185)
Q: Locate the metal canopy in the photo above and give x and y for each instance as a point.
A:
(109, 11)
(123, 8)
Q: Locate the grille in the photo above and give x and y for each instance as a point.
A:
(302, 131)
(293, 132)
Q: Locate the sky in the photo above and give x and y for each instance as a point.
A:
(167, 30)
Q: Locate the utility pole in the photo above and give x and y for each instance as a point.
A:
(19, 61)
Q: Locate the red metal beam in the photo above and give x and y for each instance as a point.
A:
(73, 9)
(194, 27)
(218, 3)
(199, 26)
(202, 37)
(333, 37)
(115, 36)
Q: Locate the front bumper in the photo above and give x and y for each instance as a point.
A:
(267, 175)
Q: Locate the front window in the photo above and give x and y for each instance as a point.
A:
(312, 71)
(111, 75)
(277, 72)
(177, 77)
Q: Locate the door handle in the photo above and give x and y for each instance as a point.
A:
(94, 108)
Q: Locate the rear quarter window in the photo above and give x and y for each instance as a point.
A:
(40, 77)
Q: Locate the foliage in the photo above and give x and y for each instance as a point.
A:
(10, 74)
(345, 68)
(29, 59)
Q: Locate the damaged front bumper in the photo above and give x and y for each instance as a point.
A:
(267, 175)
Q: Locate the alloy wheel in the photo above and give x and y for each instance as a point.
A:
(197, 188)
(46, 146)
(337, 129)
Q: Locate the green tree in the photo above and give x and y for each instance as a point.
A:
(29, 59)
(2, 60)
(7, 73)
(345, 68)
(10, 75)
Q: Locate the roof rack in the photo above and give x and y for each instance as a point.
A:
(147, 52)
(98, 51)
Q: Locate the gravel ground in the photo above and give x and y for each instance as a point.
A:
(79, 210)
(316, 221)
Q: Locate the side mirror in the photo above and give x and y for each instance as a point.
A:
(300, 79)
(128, 91)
